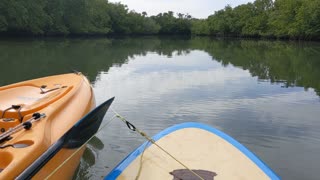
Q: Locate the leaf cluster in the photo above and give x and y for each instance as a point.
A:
(294, 19)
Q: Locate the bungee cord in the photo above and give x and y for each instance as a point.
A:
(143, 134)
(132, 128)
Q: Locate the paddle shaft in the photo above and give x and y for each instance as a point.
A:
(29, 172)
(75, 137)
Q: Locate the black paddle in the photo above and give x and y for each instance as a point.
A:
(82, 131)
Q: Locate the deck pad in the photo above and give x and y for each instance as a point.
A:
(207, 151)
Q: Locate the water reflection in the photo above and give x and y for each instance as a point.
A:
(265, 94)
(89, 159)
(156, 91)
(291, 64)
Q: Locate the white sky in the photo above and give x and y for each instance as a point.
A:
(196, 8)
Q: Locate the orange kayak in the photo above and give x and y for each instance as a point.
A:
(47, 107)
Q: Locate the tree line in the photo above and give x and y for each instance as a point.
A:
(84, 17)
(298, 19)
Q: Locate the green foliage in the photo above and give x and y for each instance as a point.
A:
(56, 11)
(268, 18)
(3, 23)
(169, 24)
(63, 17)
(77, 17)
(166, 22)
(118, 14)
(3, 20)
(26, 16)
(200, 27)
(244, 24)
(139, 24)
(149, 26)
(283, 20)
(99, 19)
(297, 19)
(308, 19)
(221, 22)
(36, 18)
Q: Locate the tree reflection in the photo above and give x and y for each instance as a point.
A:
(288, 63)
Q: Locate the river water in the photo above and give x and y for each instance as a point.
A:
(265, 94)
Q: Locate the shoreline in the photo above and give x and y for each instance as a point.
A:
(183, 36)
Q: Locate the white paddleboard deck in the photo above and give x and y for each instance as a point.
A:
(209, 152)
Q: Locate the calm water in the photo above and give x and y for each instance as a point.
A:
(264, 94)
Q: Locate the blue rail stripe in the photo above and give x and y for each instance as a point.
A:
(132, 156)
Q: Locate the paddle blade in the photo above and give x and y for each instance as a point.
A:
(75, 137)
(86, 127)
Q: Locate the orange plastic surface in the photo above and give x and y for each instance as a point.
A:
(65, 100)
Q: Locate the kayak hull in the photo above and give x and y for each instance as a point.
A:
(64, 99)
(206, 151)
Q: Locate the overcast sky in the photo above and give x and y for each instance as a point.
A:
(196, 8)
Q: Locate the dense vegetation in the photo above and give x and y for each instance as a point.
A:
(268, 18)
(91, 17)
(298, 19)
